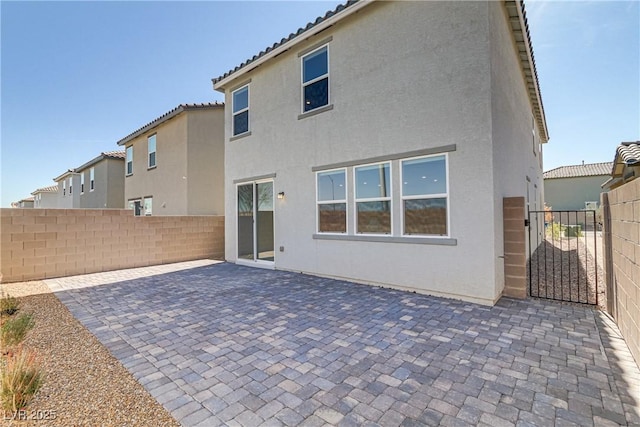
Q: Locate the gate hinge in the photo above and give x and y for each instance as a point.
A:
(526, 222)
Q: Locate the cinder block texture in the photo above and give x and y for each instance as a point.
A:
(46, 243)
(621, 209)
(515, 270)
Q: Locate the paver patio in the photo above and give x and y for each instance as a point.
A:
(229, 345)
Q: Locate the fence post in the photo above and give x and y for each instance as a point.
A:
(607, 256)
(515, 259)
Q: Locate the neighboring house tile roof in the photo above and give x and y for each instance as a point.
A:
(169, 115)
(573, 171)
(628, 153)
(519, 28)
(27, 199)
(117, 155)
(50, 189)
(64, 174)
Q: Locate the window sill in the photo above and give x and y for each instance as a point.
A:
(316, 111)
(444, 241)
(128, 175)
(152, 167)
(240, 136)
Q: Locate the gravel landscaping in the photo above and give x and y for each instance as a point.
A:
(84, 384)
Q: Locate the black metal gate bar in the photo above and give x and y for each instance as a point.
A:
(556, 257)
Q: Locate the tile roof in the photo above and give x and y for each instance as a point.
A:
(114, 154)
(50, 189)
(573, 171)
(628, 153)
(284, 40)
(28, 199)
(168, 115)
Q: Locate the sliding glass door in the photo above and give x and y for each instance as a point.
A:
(255, 222)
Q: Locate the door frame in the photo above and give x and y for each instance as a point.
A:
(256, 262)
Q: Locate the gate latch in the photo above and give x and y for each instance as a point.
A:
(526, 222)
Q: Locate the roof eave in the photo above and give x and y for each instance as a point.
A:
(154, 124)
(526, 41)
(222, 83)
(96, 160)
(65, 174)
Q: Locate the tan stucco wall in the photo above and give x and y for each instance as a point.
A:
(404, 76)
(622, 261)
(190, 163)
(205, 162)
(516, 163)
(108, 190)
(572, 193)
(45, 243)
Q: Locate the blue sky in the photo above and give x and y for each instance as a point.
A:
(78, 76)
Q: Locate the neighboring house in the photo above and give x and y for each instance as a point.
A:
(46, 197)
(390, 133)
(175, 164)
(575, 187)
(68, 189)
(102, 181)
(626, 165)
(24, 203)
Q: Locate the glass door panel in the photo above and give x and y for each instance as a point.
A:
(264, 223)
(245, 221)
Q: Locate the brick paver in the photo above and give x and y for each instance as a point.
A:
(229, 345)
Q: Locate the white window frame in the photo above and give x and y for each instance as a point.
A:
(128, 150)
(234, 113)
(155, 151)
(426, 196)
(82, 182)
(92, 179)
(305, 84)
(332, 202)
(144, 206)
(389, 198)
(70, 185)
(64, 188)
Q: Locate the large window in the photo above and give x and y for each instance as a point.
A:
(424, 196)
(240, 99)
(373, 198)
(151, 146)
(92, 179)
(332, 201)
(315, 79)
(129, 156)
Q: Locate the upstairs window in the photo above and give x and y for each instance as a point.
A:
(373, 198)
(64, 187)
(82, 183)
(240, 100)
(151, 145)
(70, 186)
(425, 196)
(332, 201)
(92, 179)
(315, 79)
(129, 156)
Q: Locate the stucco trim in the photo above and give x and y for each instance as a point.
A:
(254, 178)
(238, 86)
(315, 46)
(316, 111)
(397, 156)
(242, 135)
(388, 239)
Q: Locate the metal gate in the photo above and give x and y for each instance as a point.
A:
(563, 253)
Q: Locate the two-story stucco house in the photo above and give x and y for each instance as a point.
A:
(68, 186)
(97, 184)
(102, 181)
(174, 165)
(378, 142)
(46, 197)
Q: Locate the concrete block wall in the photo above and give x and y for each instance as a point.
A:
(45, 243)
(621, 208)
(515, 258)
